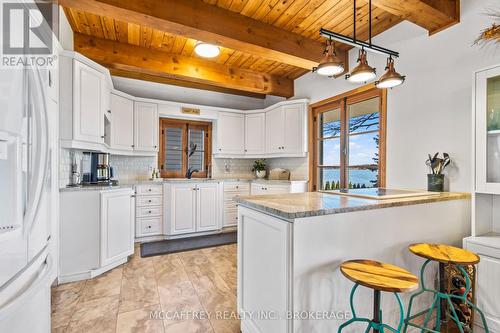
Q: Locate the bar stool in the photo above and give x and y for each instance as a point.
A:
(379, 277)
(445, 255)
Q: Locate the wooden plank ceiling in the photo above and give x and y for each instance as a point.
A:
(265, 45)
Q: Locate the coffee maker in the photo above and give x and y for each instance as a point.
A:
(96, 169)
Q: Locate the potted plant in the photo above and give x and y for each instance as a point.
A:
(435, 180)
(259, 167)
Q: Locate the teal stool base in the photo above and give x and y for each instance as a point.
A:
(375, 323)
(439, 299)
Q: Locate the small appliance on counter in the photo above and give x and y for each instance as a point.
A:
(96, 169)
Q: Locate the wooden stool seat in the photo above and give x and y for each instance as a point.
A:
(444, 254)
(379, 276)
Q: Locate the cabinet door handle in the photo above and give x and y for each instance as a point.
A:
(149, 212)
(149, 200)
(237, 186)
(156, 147)
(109, 111)
(149, 190)
(133, 146)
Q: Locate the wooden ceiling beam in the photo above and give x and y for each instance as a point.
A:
(149, 62)
(201, 21)
(194, 85)
(432, 15)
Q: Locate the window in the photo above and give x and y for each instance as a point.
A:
(348, 137)
(184, 145)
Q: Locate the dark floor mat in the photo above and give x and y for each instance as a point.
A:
(187, 244)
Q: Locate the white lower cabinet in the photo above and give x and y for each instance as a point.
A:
(487, 291)
(231, 191)
(117, 226)
(96, 232)
(149, 210)
(262, 188)
(191, 207)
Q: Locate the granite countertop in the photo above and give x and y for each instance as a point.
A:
(299, 205)
(95, 188)
(175, 181)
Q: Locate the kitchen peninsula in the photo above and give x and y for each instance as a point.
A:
(290, 248)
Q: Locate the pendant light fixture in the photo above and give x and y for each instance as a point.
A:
(362, 72)
(391, 78)
(206, 50)
(331, 64)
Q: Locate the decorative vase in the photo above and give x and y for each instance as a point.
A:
(260, 174)
(435, 183)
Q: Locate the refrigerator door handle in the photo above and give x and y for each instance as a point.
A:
(39, 164)
(44, 271)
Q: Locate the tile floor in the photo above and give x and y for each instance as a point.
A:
(195, 292)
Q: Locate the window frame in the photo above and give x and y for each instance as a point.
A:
(185, 125)
(342, 102)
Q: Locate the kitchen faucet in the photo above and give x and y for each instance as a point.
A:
(190, 171)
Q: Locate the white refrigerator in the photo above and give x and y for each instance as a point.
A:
(26, 183)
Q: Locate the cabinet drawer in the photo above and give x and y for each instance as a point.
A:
(149, 211)
(230, 204)
(149, 189)
(230, 218)
(143, 201)
(148, 226)
(237, 187)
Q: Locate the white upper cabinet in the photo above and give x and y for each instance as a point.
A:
(487, 119)
(255, 134)
(275, 130)
(286, 132)
(122, 127)
(146, 126)
(294, 129)
(88, 103)
(230, 134)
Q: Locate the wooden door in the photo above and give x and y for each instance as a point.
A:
(117, 226)
(146, 126)
(274, 130)
(88, 124)
(207, 215)
(255, 133)
(122, 125)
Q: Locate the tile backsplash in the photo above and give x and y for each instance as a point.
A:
(126, 168)
(242, 168)
(132, 168)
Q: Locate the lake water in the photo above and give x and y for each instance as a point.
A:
(362, 177)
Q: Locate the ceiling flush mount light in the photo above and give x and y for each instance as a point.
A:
(362, 72)
(206, 50)
(331, 64)
(391, 78)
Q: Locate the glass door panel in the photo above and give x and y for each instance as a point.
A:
(493, 129)
(329, 152)
(196, 150)
(363, 144)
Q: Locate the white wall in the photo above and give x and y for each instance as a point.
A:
(167, 92)
(432, 111)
